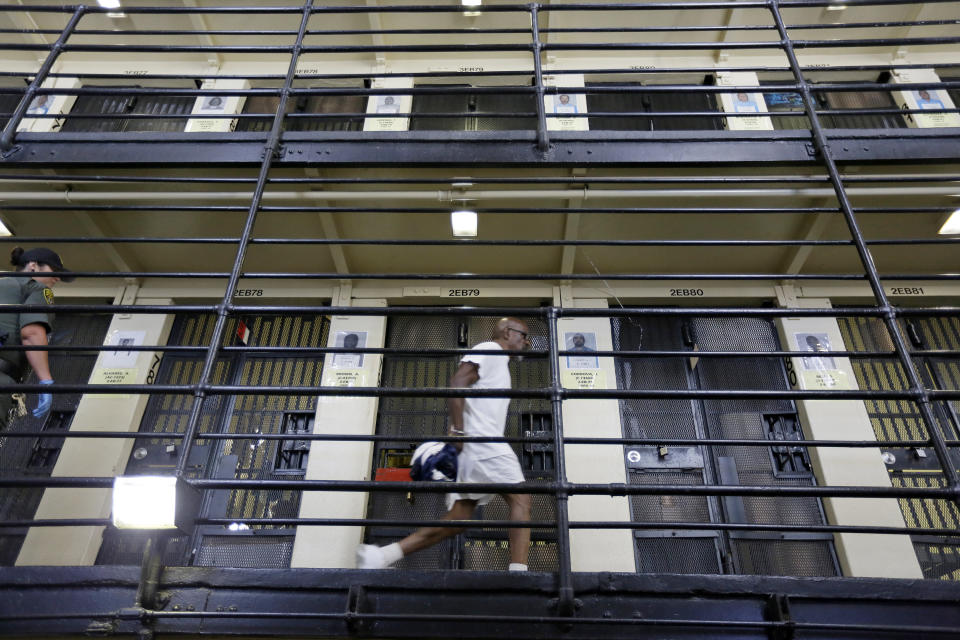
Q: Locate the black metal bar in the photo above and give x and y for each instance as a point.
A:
(9, 134)
(427, 353)
(706, 311)
(566, 601)
(540, 487)
(444, 392)
(269, 150)
(922, 396)
(667, 442)
(543, 136)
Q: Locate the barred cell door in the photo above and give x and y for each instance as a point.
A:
(939, 556)
(703, 550)
(236, 544)
(404, 418)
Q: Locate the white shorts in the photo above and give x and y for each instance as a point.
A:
(505, 468)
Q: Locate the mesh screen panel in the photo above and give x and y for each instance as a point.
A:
(677, 555)
(618, 103)
(126, 548)
(784, 557)
(250, 552)
(8, 102)
(10, 543)
(494, 555)
(115, 107)
(938, 561)
(860, 100)
(304, 105)
(668, 508)
(653, 418)
(543, 507)
(468, 105)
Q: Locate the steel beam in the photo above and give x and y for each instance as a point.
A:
(334, 603)
(475, 149)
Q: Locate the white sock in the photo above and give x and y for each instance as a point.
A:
(517, 566)
(392, 553)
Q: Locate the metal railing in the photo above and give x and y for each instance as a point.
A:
(791, 76)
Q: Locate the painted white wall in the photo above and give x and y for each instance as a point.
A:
(605, 549)
(335, 546)
(861, 555)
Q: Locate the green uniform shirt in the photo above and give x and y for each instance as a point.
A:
(16, 290)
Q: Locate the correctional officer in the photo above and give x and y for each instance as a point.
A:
(41, 269)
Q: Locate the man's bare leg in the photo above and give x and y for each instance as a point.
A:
(429, 536)
(519, 504)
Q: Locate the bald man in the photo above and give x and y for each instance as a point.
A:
(478, 461)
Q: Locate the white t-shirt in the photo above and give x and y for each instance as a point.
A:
(487, 416)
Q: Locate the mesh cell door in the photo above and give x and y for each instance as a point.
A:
(664, 550)
(759, 552)
(8, 103)
(37, 456)
(460, 111)
(425, 417)
(618, 103)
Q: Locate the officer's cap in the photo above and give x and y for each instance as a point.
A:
(46, 256)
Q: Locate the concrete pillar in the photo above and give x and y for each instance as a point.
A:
(334, 547)
(379, 107)
(561, 104)
(605, 549)
(861, 555)
(924, 99)
(217, 105)
(50, 105)
(743, 102)
(88, 457)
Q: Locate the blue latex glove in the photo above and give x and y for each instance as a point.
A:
(44, 403)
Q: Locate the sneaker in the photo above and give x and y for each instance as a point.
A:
(370, 556)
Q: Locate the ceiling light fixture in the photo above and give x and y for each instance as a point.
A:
(952, 225)
(109, 4)
(464, 223)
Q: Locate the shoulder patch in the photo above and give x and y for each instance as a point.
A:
(48, 295)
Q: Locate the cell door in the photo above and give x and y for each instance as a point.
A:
(238, 544)
(939, 556)
(703, 550)
(424, 417)
(36, 457)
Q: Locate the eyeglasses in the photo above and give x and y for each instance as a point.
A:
(523, 333)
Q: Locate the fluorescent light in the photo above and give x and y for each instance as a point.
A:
(144, 502)
(464, 223)
(4, 229)
(109, 4)
(952, 225)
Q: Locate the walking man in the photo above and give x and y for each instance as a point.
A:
(478, 461)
